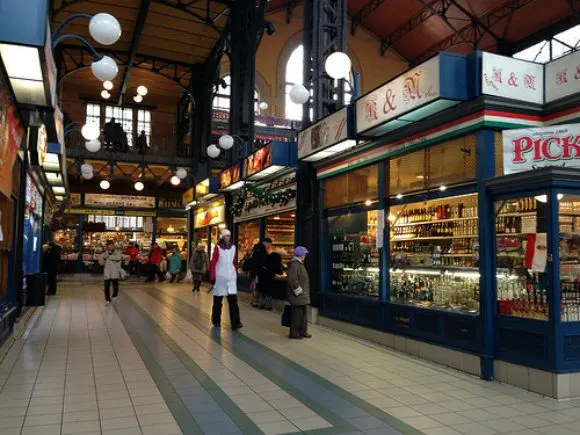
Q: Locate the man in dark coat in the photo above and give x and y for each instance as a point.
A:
(51, 261)
(261, 271)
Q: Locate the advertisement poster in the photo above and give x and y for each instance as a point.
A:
(213, 216)
(321, 135)
(259, 161)
(229, 176)
(119, 200)
(534, 148)
(11, 134)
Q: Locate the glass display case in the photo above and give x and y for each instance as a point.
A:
(280, 228)
(435, 254)
(569, 219)
(354, 253)
(521, 257)
(248, 236)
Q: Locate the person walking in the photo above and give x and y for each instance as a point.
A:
(259, 271)
(223, 273)
(111, 260)
(268, 280)
(298, 294)
(199, 265)
(154, 260)
(51, 257)
(133, 254)
(174, 264)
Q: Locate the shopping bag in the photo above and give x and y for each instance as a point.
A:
(287, 316)
(168, 276)
(189, 276)
(123, 275)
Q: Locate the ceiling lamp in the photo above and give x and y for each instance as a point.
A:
(108, 85)
(338, 65)
(139, 186)
(226, 142)
(175, 180)
(105, 29)
(105, 94)
(93, 145)
(213, 151)
(142, 90)
(105, 69)
(91, 131)
(170, 229)
(181, 173)
(86, 168)
(264, 105)
(88, 175)
(299, 94)
(137, 98)
(104, 184)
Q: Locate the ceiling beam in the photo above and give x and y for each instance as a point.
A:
(137, 33)
(360, 16)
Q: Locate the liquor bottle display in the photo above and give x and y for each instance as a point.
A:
(354, 255)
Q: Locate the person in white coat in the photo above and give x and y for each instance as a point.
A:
(224, 275)
(111, 260)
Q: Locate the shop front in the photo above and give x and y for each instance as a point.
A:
(209, 220)
(455, 233)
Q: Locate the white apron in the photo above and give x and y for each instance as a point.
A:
(225, 273)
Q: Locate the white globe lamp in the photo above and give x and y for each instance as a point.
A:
(105, 29)
(338, 65)
(88, 175)
(90, 131)
(86, 168)
(105, 94)
(264, 105)
(139, 186)
(299, 94)
(213, 151)
(226, 142)
(104, 184)
(105, 69)
(181, 173)
(175, 180)
(108, 85)
(142, 90)
(93, 145)
(137, 98)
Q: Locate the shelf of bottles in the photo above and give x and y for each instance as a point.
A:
(569, 217)
(280, 229)
(435, 254)
(521, 291)
(354, 254)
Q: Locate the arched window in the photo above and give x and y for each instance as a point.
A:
(295, 74)
(221, 99)
(549, 49)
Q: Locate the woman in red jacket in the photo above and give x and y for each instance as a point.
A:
(155, 257)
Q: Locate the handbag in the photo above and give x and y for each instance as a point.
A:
(287, 316)
(189, 276)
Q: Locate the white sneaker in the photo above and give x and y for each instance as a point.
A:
(107, 303)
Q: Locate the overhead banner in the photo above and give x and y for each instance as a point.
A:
(511, 78)
(534, 148)
(563, 77)
(11, 134)
(101, 212)
(327, 132)
(97, 199)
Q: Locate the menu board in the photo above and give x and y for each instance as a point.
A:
(229, 176)
(258, 161)
(119, 201)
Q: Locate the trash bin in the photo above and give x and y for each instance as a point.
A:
(35, 289)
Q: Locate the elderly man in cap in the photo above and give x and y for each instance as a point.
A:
(298, 294)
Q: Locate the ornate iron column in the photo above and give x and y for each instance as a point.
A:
(325, 24)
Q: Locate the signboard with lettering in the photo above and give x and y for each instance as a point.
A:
(511, 78)
(229, 176)
(409, 91)
(103, 200)
(105, 212)
(210, 216)
(11, 134)
(563, 77)
(325, 133)
(170, 203)
(533, 148)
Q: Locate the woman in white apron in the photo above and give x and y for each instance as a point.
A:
(224, 275)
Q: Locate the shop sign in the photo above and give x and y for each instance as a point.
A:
(258, 161)
(563, 77)
(409, 91)
(75, 199)
(212, 216)
(59, 125)
(11, 134)
(188, 196)
(271, 121)
(229, 176)
(50, 68)
(32, 200)
(511, 78)
(103, 212)
(170, 203)
(119, 200)
(41, 144)
(534, 148)
(329, 131)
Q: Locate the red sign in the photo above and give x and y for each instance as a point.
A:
(258, 161)
(11, 134)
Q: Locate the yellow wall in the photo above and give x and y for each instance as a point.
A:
(363, 49)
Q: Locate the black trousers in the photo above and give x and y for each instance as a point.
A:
(196, 285)
(108, 288)
(216, 312)
(134, 268)
(51, 278)
(299, 321)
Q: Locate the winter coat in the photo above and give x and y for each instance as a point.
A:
(200, 257)
(298, 277)
(223, 270)
(112, 263)
(174, 263)
(267, 277)
(155, 255)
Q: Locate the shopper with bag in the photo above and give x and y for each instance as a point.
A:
(112, 273)
(258, 268)
(224, 275)
(174, 265)
(298, 294)
(199, 266)
(155, 257)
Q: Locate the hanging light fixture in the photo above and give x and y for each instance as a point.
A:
(104, 184)
(108, 85)
(86, 168)
(299, 94)
(226, 142)
(93, 145)
(105, 69)
(213, 151)
(138, 98)
(338, 65)
(105, 94)
(175, 180)
(142, 90)
(263, 105)
(88, 175)
(139, 186)
(170, 229)
(105, 29)
(90, 131)
(181, 173)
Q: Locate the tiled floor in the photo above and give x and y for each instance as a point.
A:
(150, 364)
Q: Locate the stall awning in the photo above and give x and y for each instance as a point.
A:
(270, 159)
(431, 87)
(207, 189)
(329, 136)
(232, 178)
